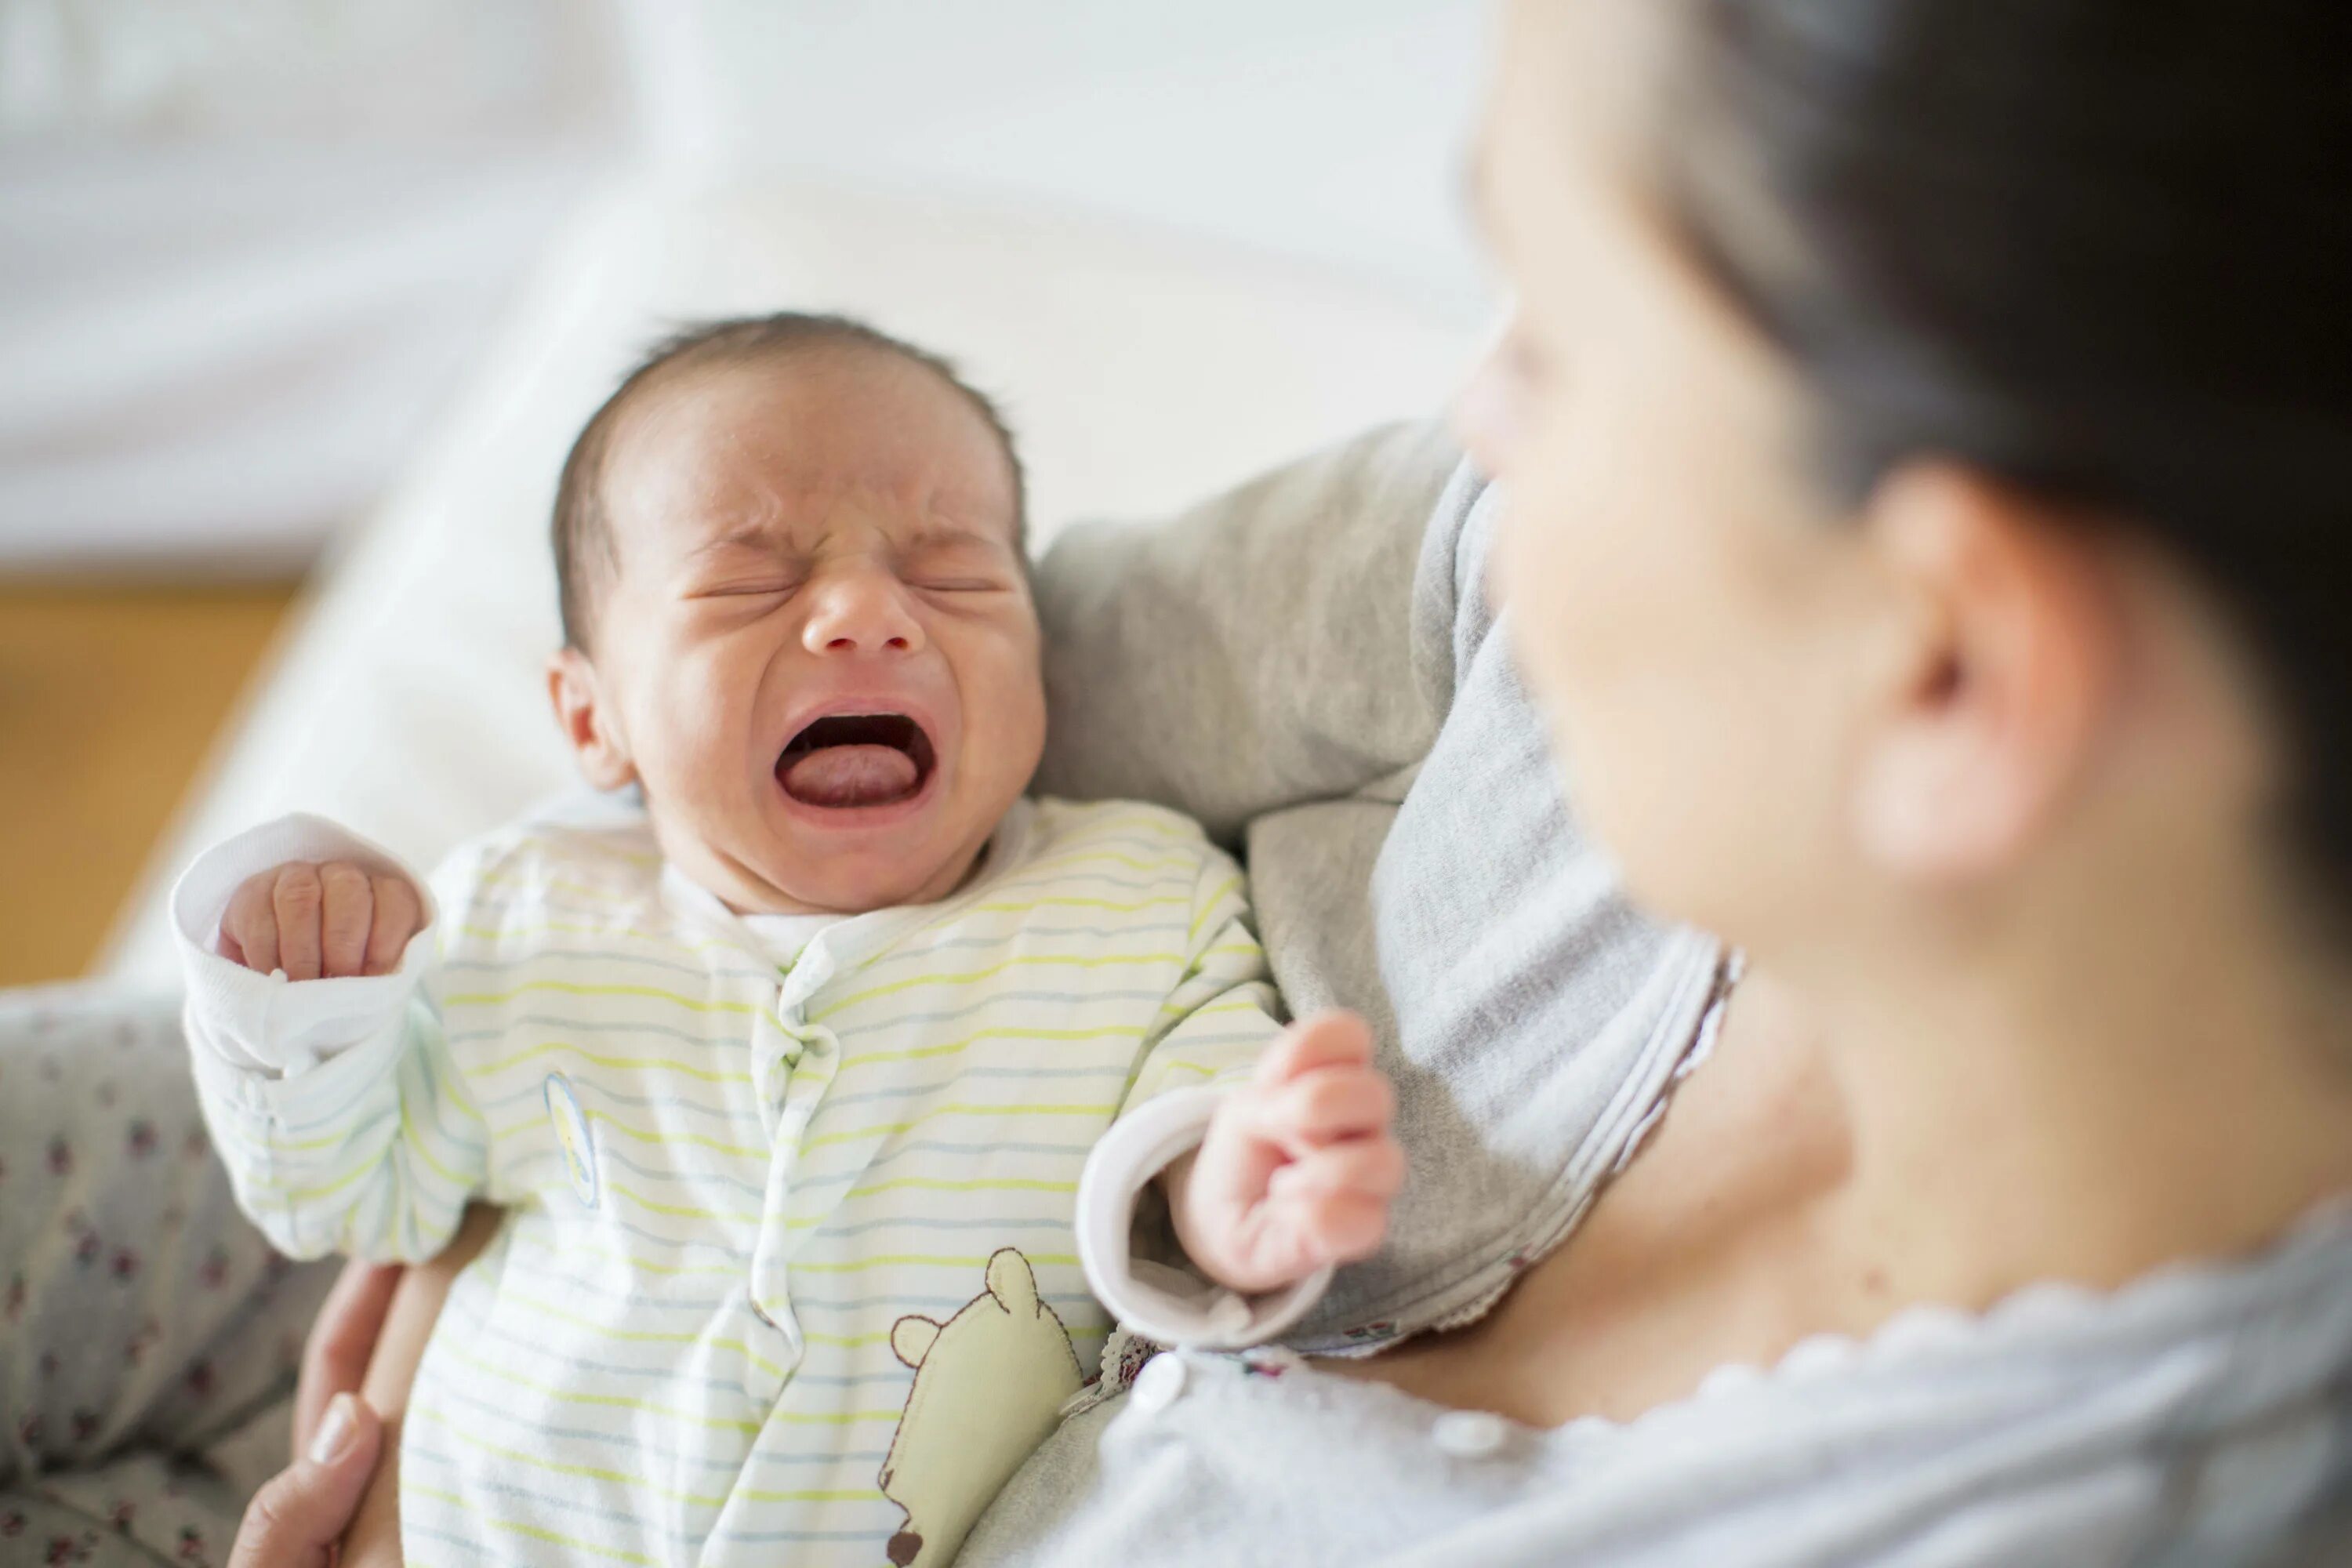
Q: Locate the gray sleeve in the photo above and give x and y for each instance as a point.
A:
(1262, 649)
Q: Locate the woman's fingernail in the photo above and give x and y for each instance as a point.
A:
(336, 1430)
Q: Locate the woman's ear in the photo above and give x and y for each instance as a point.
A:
(588, 721)
(2009, 668)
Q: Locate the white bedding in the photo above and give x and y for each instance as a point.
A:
(1140, 372)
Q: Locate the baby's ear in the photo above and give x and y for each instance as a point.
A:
(588, 721)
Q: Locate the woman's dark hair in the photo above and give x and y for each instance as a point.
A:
(2100, 249)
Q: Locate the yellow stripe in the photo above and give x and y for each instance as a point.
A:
(516, 1527)
(1113, 906)
(313, 1194)
(867, 1495)
(573, 988)
(925, 1184)
(572, 1248)
(630, 1479)
(920, 1052)
(938, 1185)
(604, 1401)
(738, 1150)
(617, 1064)
(684, 1211)
(1073, 961)
(642, 1336)
(1229, 886)
(919, 1260)
(937, 1112)
(408, 1135)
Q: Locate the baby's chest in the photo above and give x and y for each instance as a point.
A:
(960, 1082)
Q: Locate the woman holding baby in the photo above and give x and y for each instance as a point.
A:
(1925, 547)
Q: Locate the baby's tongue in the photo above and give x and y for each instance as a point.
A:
(850, 775)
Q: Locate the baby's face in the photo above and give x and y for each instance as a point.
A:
(816, 646)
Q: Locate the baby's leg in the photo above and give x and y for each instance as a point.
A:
(139, 1315)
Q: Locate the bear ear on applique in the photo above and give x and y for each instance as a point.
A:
(1013, 1282)
(911, 1339)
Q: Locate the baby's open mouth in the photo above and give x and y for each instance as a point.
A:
(847, 759)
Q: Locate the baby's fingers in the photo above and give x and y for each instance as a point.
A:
(398, 913)
(250, 926)
(1331, 1039)
(347, 908)
(1374, 1167)
(295, 900)
(1333, 1227)
(1325, 1106)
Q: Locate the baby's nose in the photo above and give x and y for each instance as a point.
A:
(867, 614)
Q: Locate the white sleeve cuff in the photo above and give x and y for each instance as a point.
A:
(248, 1021)
(1175, 1306)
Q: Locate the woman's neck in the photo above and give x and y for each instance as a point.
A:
(2092, 1099)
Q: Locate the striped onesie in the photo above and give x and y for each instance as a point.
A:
(788, 1272)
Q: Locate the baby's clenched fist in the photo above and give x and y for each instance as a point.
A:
(320, 921)
(1299, 1166)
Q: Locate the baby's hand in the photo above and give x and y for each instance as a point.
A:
(1299, 1166)
(314, 922)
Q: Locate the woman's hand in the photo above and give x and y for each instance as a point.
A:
(297, 1517)
(1298, 1164)
(335, 1357)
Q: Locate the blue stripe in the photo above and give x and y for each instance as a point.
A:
(560, 1505)
(464, 1481)
(508, 1029)
(590, 1286)
(567, 1363)
(1245, 1037)
(527, 1174)
(997, 998)
(741, 1118)
(506, 1416)
(342, 1111)
(606, 1216)
(1119, 1069)
(611, 1152)
(938, 1146)
(1061, 1223)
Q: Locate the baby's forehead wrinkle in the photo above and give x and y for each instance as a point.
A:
(806, 517)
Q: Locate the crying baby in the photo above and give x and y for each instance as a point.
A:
(786, 1057)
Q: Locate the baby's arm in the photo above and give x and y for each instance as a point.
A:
(1271, 1146)
(321, 1070)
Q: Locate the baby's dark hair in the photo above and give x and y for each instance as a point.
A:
(582, 530)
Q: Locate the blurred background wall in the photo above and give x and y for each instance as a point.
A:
(247, 245)
(251, 250)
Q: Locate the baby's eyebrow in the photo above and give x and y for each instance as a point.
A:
(939, 534)
(743, 536)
